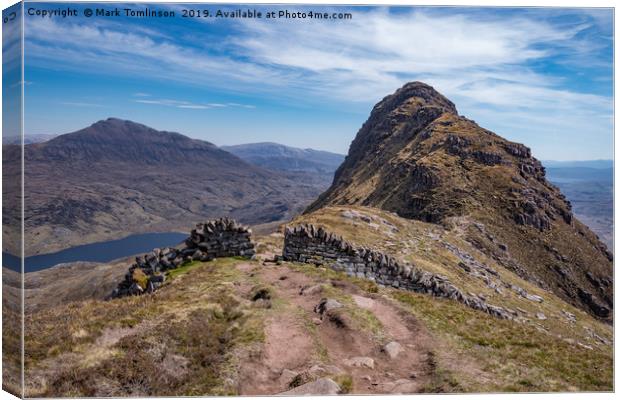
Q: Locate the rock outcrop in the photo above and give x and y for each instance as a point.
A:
(417, 157)
(216, 238)
(312, 245)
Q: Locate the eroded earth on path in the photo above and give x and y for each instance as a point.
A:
(345, 344)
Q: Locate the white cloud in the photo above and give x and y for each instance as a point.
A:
(20, 83)
(376, 52)
(104, 50)
(482, 62)
(193, 106)
(189, 105)
(354, 60)
(80, 104)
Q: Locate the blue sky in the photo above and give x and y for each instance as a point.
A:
(538, 76)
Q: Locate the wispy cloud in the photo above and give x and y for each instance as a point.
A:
(194, 106)
(80, 104)
(122, 52)
(489, 63)
(353, 60)
(188, 104)
(20, 83)
(377, 51)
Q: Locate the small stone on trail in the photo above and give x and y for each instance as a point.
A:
(286, 377)
(404, 386)
(316, 370)
(310, 290)
(323, 386)
(326, 305)
(392, 349)
(360, 362)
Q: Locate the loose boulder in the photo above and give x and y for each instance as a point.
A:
(393, 349)
(320, 387)
(327, 305)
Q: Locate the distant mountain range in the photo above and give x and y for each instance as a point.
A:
(589, 187)
(284, 158)
(581, 174)
(598, 164)
(119, 177)
(28, 139)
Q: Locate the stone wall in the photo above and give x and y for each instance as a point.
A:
(312, 245)
(216, 238)
(221, 238)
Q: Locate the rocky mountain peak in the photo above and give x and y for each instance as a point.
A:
(414, 96)
(416, 157)
(115, 139)
(116, 129)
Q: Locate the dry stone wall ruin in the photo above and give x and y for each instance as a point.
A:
(305, 243)
(216, 238)
(312, 245)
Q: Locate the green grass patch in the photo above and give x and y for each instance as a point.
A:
(139, 277)
(313, 330)
(345, 382)
(518, 356)
(183, 269)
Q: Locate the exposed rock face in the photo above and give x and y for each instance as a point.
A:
(312, 245)
(217, 238)
(417, 157)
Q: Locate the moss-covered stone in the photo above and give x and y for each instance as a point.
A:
(138, 276)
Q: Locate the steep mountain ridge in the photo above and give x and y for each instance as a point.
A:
(417, 157)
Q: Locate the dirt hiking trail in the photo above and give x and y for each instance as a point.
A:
(346, 343)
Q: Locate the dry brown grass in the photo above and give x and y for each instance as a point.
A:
(174, 342)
